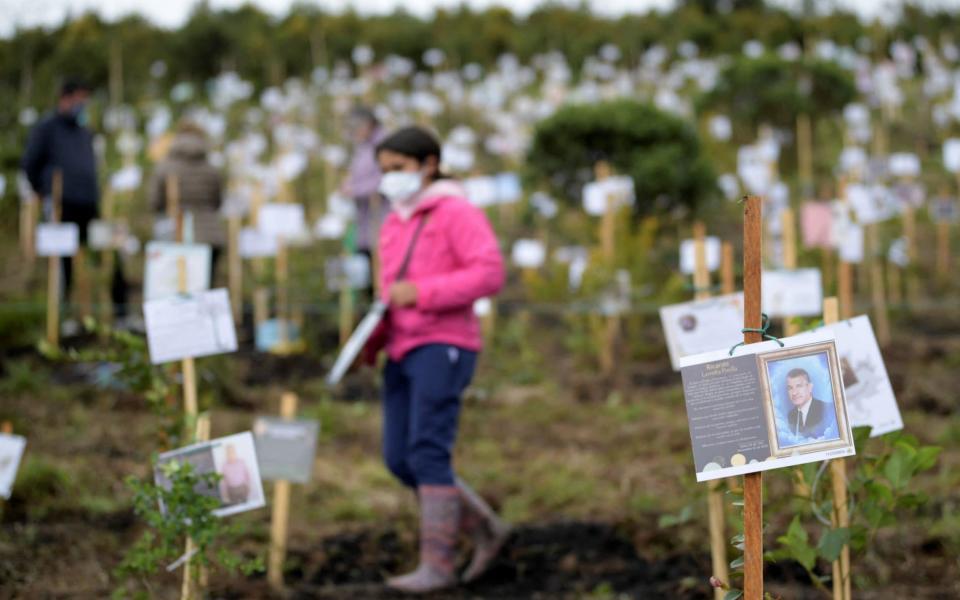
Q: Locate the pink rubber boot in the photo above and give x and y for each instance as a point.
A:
(439, 526)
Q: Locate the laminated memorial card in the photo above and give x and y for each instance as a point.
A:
(281, 220)
(280, 336)
(189, 325)
(233, 459)
(688, 256)
(766, 406)
(161, 276)
(253, 243)
(618, 190)
(701, 326)
(286, 448)
(870, 398)
(11, 451)
(351, 272)
(107, 235)
(792, 293)
(57, 239)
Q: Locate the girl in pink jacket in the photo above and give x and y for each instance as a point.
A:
(438, 255)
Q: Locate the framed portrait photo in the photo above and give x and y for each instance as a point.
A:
(803, 399)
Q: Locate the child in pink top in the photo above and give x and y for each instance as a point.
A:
(432, 342)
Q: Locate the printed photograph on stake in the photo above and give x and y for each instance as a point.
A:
(803, 398)
(766, 406)
(234, 459)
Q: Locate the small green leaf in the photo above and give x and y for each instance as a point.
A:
(733, 595)
(832, 542)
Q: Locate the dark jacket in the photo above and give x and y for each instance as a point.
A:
(59, 142)
(819, 419)
(200, 184)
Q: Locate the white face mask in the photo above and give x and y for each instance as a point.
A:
(399, 187)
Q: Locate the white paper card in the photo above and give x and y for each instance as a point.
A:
(688, 255)
(951, 155)
(161, 276)
(281, 220)
(11, 451)
(792, 293)
(618, 190)
(851, 244)
(57, 239)
(702, 326)
(189, 325)
(234, 458)
(904, 164)
(528, 254)
(253, 243)
(870, 398)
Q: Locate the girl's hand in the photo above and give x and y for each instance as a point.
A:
(403, 293)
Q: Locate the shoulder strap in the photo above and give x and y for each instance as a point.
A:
(413, 242)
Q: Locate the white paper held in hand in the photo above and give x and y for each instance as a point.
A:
(357, 340)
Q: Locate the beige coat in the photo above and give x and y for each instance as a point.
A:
(200, 184)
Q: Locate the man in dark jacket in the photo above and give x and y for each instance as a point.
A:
(62, 142)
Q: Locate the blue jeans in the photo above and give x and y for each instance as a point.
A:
(421, 407)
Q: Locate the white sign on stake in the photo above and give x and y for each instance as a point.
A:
(189, 325)
(792, 293)
(870, 398)
(688, 259)
(951, 155)
(234, 458)
(851, 244)
(281, 220)
(702, 326)
(11, 451)
(57, 239)
(595, 194)
(161, 276)
(528, 254)
(255, 244)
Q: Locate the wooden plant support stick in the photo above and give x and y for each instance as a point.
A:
(189, 589)
(608, 225)
(28, 227)
(281, 510)
(715, 514)
(234, 268)
(283, 313)
(943, 251)
(728, 284)
(845, 289)
(53, 267)
(752, 482)
(789, 222)
(838, 474)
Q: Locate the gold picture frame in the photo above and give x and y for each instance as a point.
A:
(836, 391)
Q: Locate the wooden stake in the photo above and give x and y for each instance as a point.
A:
(879, 302)
(53, 267)
(943, 250)
(701, 271)
(281, 510)
(728, 282)
(789, 222)
(189, 589)
(845, 289)
(234, 268)
(752, 482)
(608, 225)
(841, 518)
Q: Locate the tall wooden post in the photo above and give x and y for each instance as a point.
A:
(838, 475)
(752, 482)
(53, 266)
(281, 509)
(235, 268)
(608, 225)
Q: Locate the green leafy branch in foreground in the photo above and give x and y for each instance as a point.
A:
(187, 514)
(879, 491)
(129, 351)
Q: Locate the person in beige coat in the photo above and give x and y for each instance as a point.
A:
(200, 185)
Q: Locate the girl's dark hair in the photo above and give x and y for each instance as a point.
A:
(415, 142)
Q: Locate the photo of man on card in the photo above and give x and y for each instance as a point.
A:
(804, 400)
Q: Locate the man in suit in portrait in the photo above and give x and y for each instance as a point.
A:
(810, 417)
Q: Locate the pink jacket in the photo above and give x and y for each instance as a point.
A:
(456, 261)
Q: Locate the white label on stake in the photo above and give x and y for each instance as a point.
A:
(688, 255)
(189, 325)
(57, 239)
(792, 293)
(162, 272)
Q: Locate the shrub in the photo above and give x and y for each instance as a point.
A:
(659, 151)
